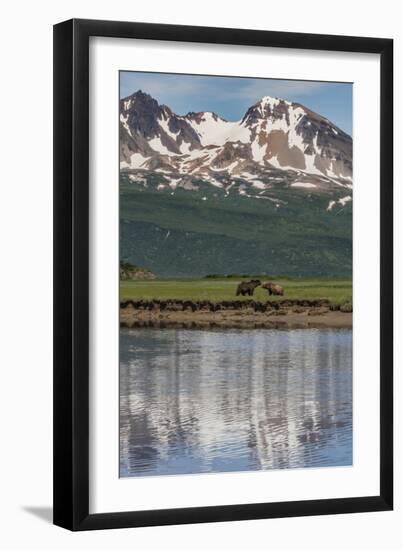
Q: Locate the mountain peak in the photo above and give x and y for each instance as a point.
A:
(273, 108)
(138, 98)
(272, 101)
(274, 134)
(141, 95)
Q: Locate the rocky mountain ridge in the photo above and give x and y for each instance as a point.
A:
(275, 141)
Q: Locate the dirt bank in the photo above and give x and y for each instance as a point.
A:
(241, 314)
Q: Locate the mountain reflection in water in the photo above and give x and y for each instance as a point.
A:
(196, 401)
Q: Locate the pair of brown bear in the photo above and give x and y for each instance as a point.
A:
(247, 288)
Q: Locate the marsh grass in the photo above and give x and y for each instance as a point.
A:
(338, 290)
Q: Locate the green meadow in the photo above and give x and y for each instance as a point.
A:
(186, 233)
(338, 290)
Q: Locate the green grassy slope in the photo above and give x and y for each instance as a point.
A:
(185, 233)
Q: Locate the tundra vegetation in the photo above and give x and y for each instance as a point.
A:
(185, 233)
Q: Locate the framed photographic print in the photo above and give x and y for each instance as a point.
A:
(223, 274)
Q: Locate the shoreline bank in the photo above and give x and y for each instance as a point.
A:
(233, 314)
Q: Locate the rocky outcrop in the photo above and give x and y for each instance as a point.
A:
(129, 272)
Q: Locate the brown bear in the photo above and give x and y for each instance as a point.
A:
(274, 289)
(247, 287)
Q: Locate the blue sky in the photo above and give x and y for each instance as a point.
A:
(230, 97)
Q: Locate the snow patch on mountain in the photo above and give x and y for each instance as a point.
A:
(310, 167)
(157, 145)
(138, 179)
(213, 130)
(303, 184)
(259, 184)
(294, 138)
(123, 120)
(165, 126)
(127, 104)
(274, 162)
(136, 161)
(343, 201)
(214, 181)
(173, 182)
(184, 147)
(258, 151)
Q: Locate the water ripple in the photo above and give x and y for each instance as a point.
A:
(234, 400)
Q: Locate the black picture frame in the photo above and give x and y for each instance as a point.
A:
(71, 274)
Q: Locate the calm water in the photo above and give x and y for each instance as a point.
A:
(234, 400)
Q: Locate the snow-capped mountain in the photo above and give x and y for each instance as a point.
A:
(274, 138)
